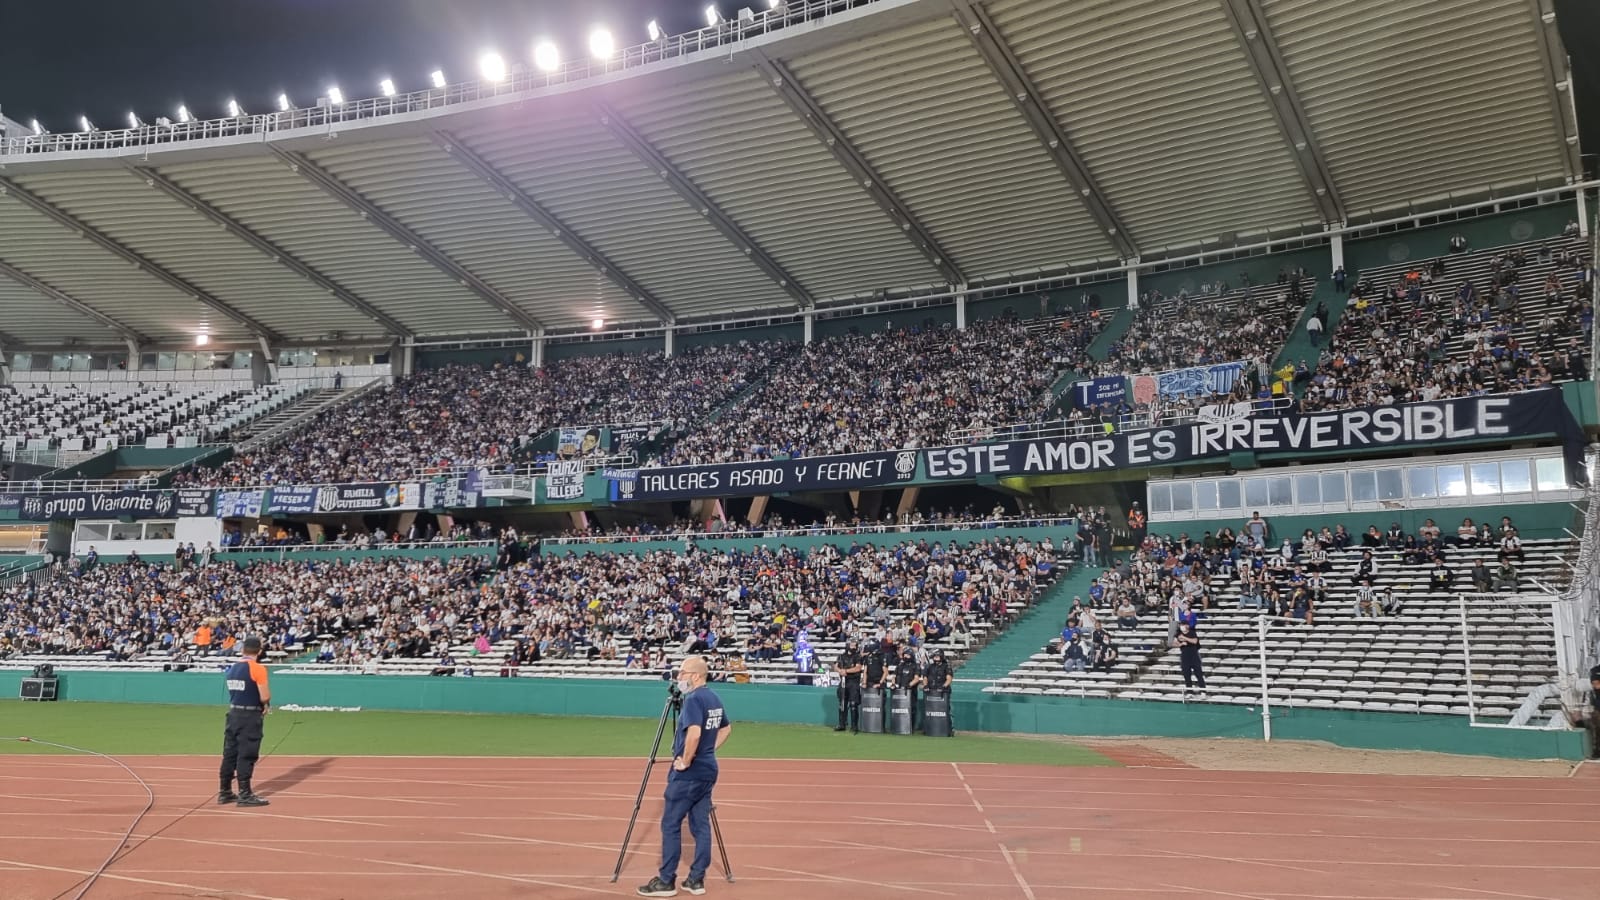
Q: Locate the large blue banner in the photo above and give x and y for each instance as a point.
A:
(240, 504)
(1199, 381)
(98, 505)
(779, 476)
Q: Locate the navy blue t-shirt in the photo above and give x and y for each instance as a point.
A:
(704, 708)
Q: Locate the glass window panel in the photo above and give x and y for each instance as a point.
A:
(1552, 473)
(166, 360)
(1419, 479)
(1364, 486)
(1514, 477)
(1182, 497)
(1333, 487)
(1485, 479)
(1205, 495)
(1228, 494)
(127, 531)
(1255, 492)
(94, 531)
(1161, 498)
(1452, 480)
(1280, 491)
(1390, 485)
(1308, 488)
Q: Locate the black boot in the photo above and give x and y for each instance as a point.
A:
(247, 797)
(226, 796)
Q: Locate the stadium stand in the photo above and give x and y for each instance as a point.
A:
(1399, 648)
(99, 416)
(1495, 321)
(468, 415)
(895, 388)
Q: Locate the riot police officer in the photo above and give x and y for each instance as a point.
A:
(937, 678)
(877, 668)
(908, 676)
(849, 666)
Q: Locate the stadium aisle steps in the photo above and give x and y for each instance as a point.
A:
(1121, 321)
(1299, 346)
(1032, 631)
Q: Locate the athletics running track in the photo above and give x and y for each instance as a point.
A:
(401, 828)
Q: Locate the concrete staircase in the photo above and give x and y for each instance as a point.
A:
(309, 403)
(1032, 631)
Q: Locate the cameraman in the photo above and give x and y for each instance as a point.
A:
(703, 726)
(849, 667)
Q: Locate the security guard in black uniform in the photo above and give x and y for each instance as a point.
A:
(249, 698)
(849, 666)
(877, 668)
(908, 676)
(938, 677)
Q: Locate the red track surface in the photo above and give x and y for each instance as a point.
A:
(401, 828)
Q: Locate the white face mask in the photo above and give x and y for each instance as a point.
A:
(685, 685)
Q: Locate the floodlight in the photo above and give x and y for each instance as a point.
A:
(183, 114)
(133, 119)
(283, 103)
(774, 5)
(655, 30)
(84, 124)
(335, 96)
(234, 109)
(546, 56)
(601, 44)
(386, 86)
(713, 16)
(598, 324)
(492, 66)
(438, 78)
(202, 339)
(37, 128)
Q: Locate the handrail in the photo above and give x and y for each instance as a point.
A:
(983, 524)
(1139, 420)
(519, 83)
(270, 436)
(282, 550)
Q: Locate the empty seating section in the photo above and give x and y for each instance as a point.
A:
(106, 415)
(1494, 321)
(1411, 660)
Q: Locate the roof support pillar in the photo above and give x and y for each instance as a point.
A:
(667, 342)
(1133, 285)
(9, 188)
(302, 165)
(810, 320)
(505, 187)
(822, 127)
(704, 205)
(1260, 48)
(1007, 70)
(1583, 213)
(1558, 84)
(133, 355)
(961, 307)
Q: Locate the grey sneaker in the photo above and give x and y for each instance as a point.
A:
(657, 888)
(695, 886)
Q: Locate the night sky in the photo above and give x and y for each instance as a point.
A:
(63, 58)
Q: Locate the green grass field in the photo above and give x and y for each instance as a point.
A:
(137, 729)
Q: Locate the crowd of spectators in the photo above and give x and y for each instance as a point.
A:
(120, 611)
(894, 388)
(1178, 333)
(1424, 338)
(775, 525)
(470, 415)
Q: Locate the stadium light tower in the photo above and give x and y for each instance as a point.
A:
(234, 109)
(601, 44)
(713, 16)
(183, 115)
(335, 96)
(133, 119)
(492, 66)
(84, 124)
(283, 103)
(774, 5)
(546, 56)
(656, 33)
(386, 87)
(37, 128)
(437, 77)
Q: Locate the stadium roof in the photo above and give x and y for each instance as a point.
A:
(816, 153)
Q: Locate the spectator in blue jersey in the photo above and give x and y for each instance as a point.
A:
(248, 700)
(703, 727)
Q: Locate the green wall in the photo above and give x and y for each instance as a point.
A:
(1009, 713)
(1531, 223)
(574, 349)
(1534, 520)
(1263, 270)
(1055, 533)
(795, 332)
(472, 356)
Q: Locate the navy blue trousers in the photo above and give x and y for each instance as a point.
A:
(692, 800)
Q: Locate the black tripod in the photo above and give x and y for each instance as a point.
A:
(674, 703)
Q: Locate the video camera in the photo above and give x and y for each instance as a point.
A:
(675, 695)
